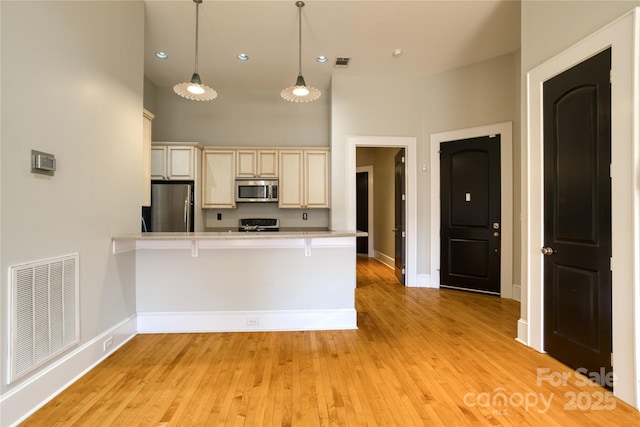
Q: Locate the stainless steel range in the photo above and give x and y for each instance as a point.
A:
(259, 224)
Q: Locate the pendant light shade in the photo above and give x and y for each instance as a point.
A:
(300, 92)
(194, 89)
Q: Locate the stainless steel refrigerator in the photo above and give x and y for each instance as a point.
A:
(171, 207)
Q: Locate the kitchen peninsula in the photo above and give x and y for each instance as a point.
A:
(243, 281)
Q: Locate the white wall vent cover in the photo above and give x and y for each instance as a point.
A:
(44, 312)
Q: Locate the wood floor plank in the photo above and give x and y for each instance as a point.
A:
(419, 357)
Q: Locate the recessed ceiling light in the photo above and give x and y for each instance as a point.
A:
(321, 59)
(396, 52)
(243, 56)
(161, 55)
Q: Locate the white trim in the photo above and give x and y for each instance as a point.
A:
(517, 292)
(410, 145)
(623, 37)
(371, 222)
(506, 198)
(245, 321)
(523, 329)
(424, 281)
(25, 399)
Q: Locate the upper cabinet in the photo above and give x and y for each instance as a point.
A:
(147, 117)
(304, 179)
(173, 162)
(218, 178)
(257, 163)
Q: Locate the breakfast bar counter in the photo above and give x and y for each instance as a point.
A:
(243, 281)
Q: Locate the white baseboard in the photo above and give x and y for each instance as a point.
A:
(423, 281)
(523, 332)
(517, 292)
(246, 321)
(26, 398)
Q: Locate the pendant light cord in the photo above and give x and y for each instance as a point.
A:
(197, 20)
(300, 4)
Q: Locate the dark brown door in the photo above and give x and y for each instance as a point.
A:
(362, 211)
(399, 229)
(577, 216)
(470, 214)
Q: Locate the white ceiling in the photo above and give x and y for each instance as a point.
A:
(434, 35)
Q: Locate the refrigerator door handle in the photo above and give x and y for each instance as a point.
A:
(187, 211)
(186, 214)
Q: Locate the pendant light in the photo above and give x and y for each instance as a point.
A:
(300, 92)
(195, 90)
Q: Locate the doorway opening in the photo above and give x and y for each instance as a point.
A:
(365, 210)
(380, 209)
(410, 146)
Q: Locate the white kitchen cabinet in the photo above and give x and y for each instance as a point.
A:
(147, 117)
(173, 162)
(304, 179)
(218, 178)
(257, 163)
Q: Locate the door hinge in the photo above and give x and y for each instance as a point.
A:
(403, 197)
(402, 159)
(404, 234)
(612, 360)
(402, 270)
(610, 76)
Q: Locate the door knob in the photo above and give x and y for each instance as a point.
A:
(547, 250)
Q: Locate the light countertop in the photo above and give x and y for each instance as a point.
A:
(240, 235)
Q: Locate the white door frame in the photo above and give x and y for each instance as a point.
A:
(506, 200)
(622, 36)
(409, 143)
(370, 221)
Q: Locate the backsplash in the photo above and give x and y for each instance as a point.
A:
(288, 217)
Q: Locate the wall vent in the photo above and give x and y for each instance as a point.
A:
(342, 62)
(44, 312)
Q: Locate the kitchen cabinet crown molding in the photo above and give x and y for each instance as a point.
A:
(263, 148)
(185, 143)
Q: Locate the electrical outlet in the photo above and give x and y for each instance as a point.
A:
(219, 216)
(253, 321)
(304, 216)
(107, 344)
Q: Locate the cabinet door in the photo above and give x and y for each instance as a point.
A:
(316, 179)
(246, 164)
(267, 163)
(218, 175)
(290, 183)
(180, 162)
(158, 162)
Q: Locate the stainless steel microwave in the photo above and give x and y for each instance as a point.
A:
(256, 190)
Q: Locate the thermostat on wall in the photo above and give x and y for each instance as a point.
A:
(43, 163)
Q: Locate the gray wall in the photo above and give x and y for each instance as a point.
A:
(548, 28)
(72, 86)
(479, 94)
(256, 117)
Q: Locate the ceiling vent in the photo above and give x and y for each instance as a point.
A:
(342, 62)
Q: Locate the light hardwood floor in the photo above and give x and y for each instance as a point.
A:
(419, 357)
